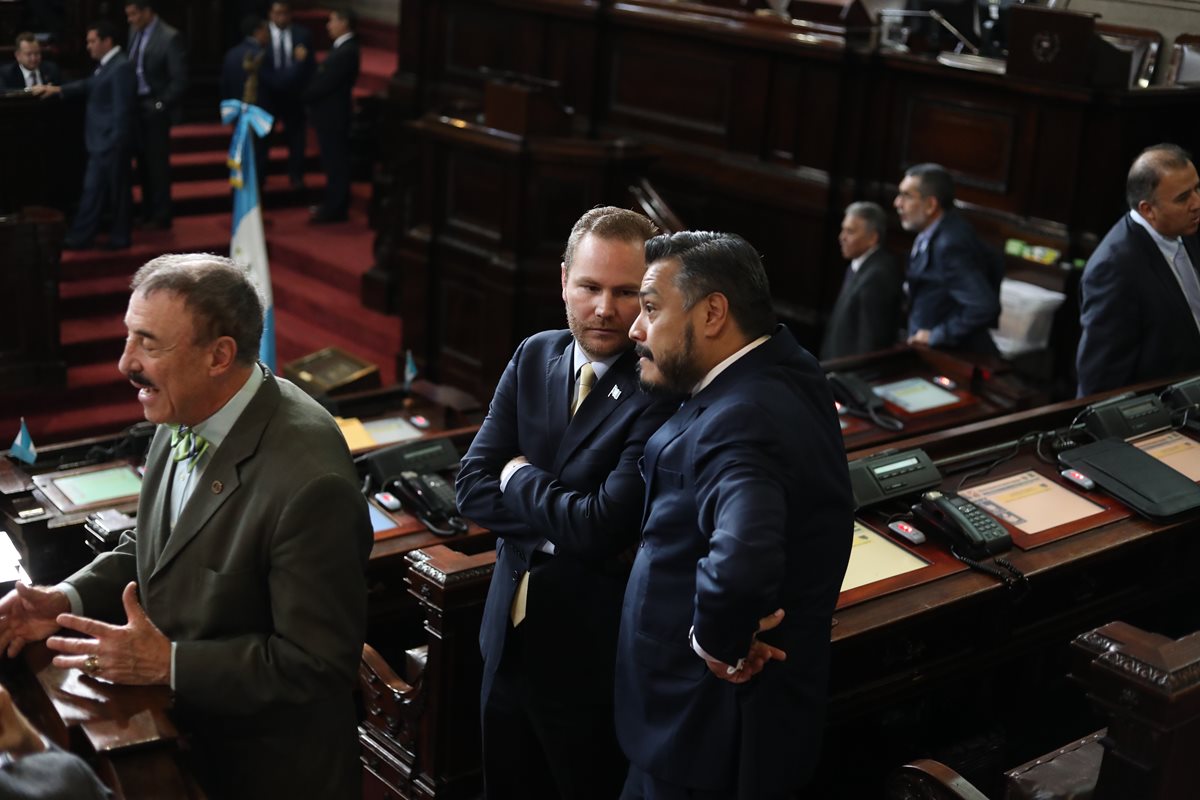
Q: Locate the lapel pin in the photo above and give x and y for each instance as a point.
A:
(615, 394)
(217, 486)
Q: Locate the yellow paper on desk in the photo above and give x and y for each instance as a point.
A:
(356, 435)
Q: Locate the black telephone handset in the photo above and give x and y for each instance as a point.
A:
(860, 400)
(969, 531)
(430, 498)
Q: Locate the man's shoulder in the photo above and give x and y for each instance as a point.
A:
(1124, 246)
(553, 341)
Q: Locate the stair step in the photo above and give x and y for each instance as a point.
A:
(312, 299)
(210, 196)
(202, 165)
(93, 419)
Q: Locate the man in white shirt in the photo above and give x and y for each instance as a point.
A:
(286, 71)
(1140, 293)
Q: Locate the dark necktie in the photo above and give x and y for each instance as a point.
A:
(279, 62)
(33, 78)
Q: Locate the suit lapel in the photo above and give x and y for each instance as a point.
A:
(1163, 272)
(559, 382)
(220, 478)
(600, 403)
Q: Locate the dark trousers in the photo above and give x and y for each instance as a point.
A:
(334, 140)
(295, 135)
(105, 186)
(538, 746)
(152, 149)
(641, 786)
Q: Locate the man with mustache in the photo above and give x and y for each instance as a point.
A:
(554, 472)
(1140, 294)
(243, 586)
(722, 659)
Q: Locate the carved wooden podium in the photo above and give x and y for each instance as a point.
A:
(420, 737)
(1148, 686)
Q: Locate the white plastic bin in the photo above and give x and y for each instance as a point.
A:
(1026, 316)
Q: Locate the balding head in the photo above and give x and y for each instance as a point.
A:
(1162, 188)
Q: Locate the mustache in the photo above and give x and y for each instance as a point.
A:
(643, 352)
(141, 380)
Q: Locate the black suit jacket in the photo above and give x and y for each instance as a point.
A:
(329, 93)
(954, 288)
(11, 76)
(286, 86)
(1136, 322)
(164, 67)
(867, 314)
(748, 509)
(583, 492)
(109, 92)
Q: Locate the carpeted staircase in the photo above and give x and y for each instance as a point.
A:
(316, 274)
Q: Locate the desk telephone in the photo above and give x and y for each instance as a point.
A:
(963, 524)
(860, 400)
(430, 498)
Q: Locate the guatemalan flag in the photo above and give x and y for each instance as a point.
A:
(249, 245)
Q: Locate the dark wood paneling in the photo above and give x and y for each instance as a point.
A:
(971, 140)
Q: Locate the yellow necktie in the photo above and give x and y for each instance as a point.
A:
(587, 377)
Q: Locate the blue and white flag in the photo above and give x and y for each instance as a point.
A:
(410, 371)
(249, 245)
(22, 447)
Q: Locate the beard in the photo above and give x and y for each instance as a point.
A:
(595, 350)
(677, 371)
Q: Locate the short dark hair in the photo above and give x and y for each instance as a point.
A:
(935, 181)
(104, 30)
(141, 5)
(611, 223)
(1148, 169)
(719, 262)
(218, 292)
(24, 36)
(872, 215)
(348, 14)
(251, 23)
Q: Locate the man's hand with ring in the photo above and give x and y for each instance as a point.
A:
(134, 653)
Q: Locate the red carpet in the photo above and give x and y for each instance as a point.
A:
(316, 274)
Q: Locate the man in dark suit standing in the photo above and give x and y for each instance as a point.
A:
(866, 316)
(1140, 294)
(243, 586)
(554, 472)
(245, 58)
(745, 537)
(29, 70)
(108, 93)
(287, 70)
(953, 280)
(156, 51)
(331, 109)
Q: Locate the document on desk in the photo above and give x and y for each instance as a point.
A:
(874, 557)
(99, 486)
(1180, 453)
(375, 433)
(1031, 502)
(916, 394)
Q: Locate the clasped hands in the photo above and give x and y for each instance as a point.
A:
(760, 653)
(134, 653)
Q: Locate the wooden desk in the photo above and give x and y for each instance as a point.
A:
(984, 385)
(124, 732)
(962, 658)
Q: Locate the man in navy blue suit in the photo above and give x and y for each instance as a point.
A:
(953, 280)
(286, 72)
(1140, 294)
(554, 472)
(107, 125)
(722, 658)
(330, 99)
